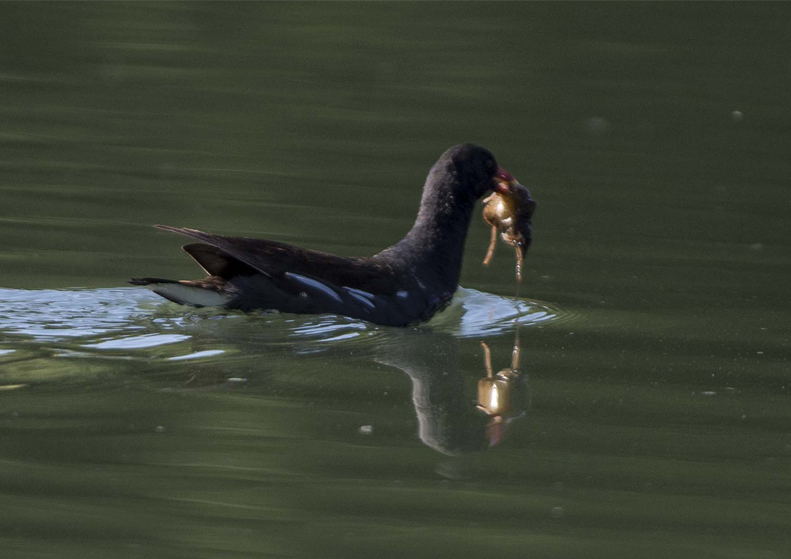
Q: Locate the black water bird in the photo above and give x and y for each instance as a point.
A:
(403, 285)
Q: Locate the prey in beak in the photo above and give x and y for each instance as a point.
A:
(509, 210)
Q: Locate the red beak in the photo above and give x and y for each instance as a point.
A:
(503, 181)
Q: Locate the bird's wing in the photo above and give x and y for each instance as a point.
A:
(292, 279)
(276, 259)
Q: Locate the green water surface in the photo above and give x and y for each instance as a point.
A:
(652, 417)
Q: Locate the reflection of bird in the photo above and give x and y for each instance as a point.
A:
(404, 284)
(448, 421)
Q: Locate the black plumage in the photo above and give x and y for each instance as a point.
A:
(404, 284)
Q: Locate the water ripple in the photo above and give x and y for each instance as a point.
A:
(138, 342)
(133, 319)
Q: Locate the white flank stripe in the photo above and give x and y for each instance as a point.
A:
(355, 293)
(360, 292)
(315, 284)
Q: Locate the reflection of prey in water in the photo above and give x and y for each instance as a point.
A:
(449, 421)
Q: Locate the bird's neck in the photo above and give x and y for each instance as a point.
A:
(434, 247)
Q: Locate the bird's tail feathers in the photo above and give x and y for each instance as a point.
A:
(205, 293)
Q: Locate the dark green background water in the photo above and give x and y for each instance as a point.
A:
(655, 322)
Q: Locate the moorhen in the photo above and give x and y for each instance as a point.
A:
(403, 285)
